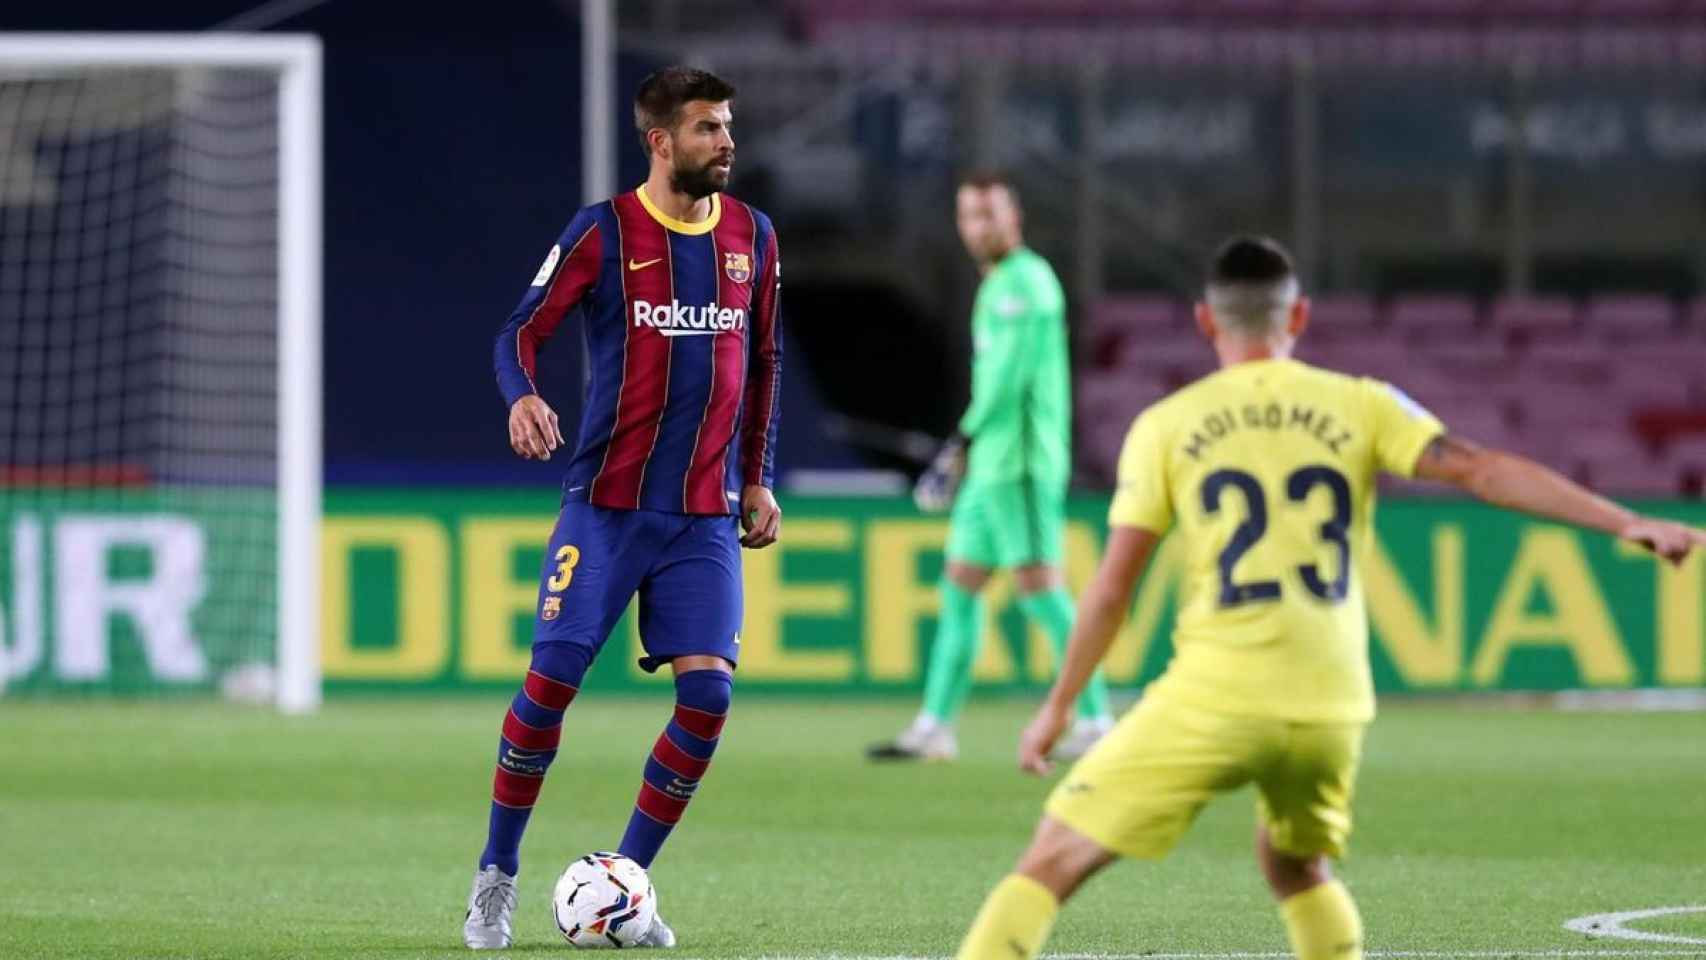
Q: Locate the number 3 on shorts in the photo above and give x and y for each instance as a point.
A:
(567, 556)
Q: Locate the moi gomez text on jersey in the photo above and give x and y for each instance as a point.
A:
(428, 591)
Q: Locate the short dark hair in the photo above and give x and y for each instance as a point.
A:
(662, 95)
(984, 178)
(1251, 284)
(1250, 260)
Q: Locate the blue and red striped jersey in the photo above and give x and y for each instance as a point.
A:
(683, 335)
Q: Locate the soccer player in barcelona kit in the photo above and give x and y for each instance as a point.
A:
(1266, 470)
(1005, 472)
(674, 287)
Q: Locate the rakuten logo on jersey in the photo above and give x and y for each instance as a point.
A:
(676, 319)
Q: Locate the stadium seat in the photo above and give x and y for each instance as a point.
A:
(1568, 396)
(1367, 356)
(1628, 8)
(1433, 317)
(1527, 318)
(1580, 363)
(1688, 458)
(1529, 9)
(1633, 474)
(1248, 8)
(1678, 360)
(1140, 314)
(1117, 396)
(1428, 9)
(1619, 319)
(1474, 418)
(1341, 315)
(1115, 325)
(1176, 359)
(1688, 452)
(1560, 411)
(1636, 387)
(1392, 8)
(1467, 363)
(1694, 321)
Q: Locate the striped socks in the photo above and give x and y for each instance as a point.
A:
(678, 761)
(531, 731)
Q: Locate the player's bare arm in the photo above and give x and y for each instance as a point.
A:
(1517, 483)
(533, 428)
(1101, 610)
(760, 517)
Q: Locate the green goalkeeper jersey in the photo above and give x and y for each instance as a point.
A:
(1020, 418)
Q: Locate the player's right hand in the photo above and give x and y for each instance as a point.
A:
(1672, 541)
(533, 429)
(1039, 738)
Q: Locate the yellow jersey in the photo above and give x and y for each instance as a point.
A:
(1268, 470)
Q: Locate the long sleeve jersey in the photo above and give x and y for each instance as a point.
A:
(1020, 417)
(683, 336)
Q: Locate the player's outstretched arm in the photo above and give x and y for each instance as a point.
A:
(1517, 483)
(1101, 610)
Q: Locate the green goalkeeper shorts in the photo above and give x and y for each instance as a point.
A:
(1007, 524)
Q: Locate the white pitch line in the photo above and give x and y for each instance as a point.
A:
(1612, 925)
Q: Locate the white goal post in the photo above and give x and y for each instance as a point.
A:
(295, 62)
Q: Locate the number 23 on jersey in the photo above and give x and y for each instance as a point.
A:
(1215, 490)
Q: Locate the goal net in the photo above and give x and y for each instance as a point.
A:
(159, 366)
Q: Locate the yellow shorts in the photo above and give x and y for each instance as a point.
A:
(1141, 786)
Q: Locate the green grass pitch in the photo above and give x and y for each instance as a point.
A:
(170, 830)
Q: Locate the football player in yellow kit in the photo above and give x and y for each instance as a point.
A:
(1267, 470)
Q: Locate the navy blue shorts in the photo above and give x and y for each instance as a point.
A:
(685, 568)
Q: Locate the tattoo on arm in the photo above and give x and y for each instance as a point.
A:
(1446, 448)
(1449, 459)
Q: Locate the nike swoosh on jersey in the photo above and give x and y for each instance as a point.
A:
(642, 264)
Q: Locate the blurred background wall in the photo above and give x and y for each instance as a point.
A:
(1539, 290)
(1498, 204)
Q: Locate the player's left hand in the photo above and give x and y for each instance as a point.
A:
(1039, 738)
(760, 517)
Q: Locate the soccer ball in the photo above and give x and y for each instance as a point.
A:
(604, 900)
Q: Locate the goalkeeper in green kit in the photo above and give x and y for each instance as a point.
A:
(1005, 473)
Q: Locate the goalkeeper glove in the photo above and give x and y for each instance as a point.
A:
(935, 489)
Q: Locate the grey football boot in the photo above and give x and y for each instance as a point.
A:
(659, 936)
(490, 904)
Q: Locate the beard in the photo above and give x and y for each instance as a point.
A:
(699, 181)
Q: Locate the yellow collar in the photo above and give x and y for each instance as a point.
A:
(681, 226)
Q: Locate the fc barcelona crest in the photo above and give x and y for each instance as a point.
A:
(553, 606)
(738, 266)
